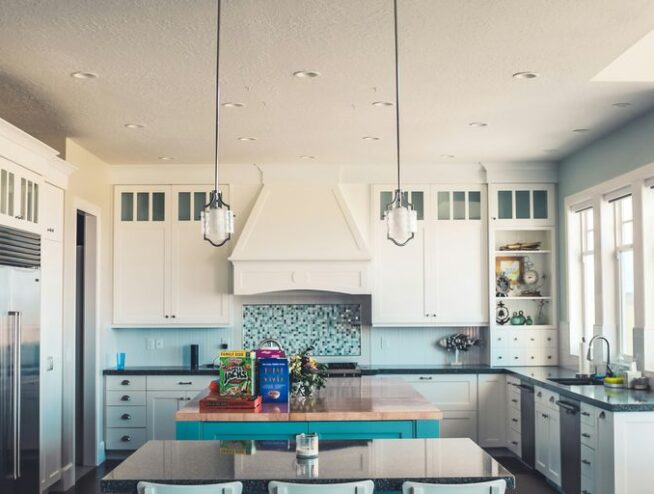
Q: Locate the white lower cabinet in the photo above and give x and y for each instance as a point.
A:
(456, 396)
(548, 435)
(491, 391)
(142, 408)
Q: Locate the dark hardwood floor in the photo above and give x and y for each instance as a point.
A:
(528, 482)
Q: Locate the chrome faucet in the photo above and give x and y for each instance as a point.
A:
(271, 343)
(589, 354)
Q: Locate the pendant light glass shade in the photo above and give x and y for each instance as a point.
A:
(217, 220)
(401, 219)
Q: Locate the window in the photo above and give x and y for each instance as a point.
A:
(624, 253)
(581, 277)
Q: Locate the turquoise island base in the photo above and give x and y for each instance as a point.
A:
(347, 408)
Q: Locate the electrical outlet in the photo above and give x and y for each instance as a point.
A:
(159, 343)
(149, 343)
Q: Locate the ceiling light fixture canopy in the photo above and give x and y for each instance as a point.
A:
(217, 217)
(401, 217)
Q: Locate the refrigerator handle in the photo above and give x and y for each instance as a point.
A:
(16, 394)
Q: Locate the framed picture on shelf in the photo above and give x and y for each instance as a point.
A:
(512, 267)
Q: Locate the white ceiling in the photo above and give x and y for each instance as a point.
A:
(155, 59)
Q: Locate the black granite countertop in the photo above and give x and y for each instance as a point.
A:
(613, 400)
(162, 371)
(387, 462)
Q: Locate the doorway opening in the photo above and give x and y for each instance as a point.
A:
(85, 342)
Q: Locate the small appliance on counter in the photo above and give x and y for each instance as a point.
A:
(343, 369)
(195, 352)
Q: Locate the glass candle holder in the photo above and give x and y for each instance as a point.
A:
(306, 468)
(306, 445)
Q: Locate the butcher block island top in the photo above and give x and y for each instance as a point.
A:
(370, 398)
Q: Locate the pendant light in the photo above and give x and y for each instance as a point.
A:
(401, 218)
(217, 218)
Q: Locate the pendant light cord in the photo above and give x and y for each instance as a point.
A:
(217, 141)
(397, 93)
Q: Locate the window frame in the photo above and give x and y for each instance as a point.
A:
(621, 247)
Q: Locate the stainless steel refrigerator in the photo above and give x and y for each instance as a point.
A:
(20, 296)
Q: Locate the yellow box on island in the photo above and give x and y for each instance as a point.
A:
(237, 373)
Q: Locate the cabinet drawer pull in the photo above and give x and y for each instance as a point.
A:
(585, 414)
(125, 398)
(544, 415)
(188, 398)
(514, 400)
(585, 492)
(125, 382)
(515, 443)
(185, 383)
(426, 378)
(126, 439)
(181, 398)
(514, 420)
(539, 394)
(126, 416)
(602, 415)
(585, 435)
(585, 462)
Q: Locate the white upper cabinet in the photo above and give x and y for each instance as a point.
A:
(164, 272)
(439, 277)
(523, 204)
(52, 212)
(19, 197)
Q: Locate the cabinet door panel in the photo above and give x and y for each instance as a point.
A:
(554, 453)
(542, 439)
(492, 410)
(161, 409)
(456, 392)
(140, 281)
(459, 424)
(200, 272)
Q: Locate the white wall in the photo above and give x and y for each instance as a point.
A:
(89, 188)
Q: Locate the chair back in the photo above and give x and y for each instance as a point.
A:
(363, 487)
(227, 488)
(492, 487)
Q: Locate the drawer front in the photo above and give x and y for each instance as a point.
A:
(510, 380)
(121, 416)
(116, 383)
(500, 340)
(125, 438)
(587, 462)
(499, 357)
(514, 419)
(514, 442)
(126, 398)
(514, 401)
(457, 392)
(173, 383)
(588, 415)
(587, 485)
(588, 436)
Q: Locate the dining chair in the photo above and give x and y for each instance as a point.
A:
(492, 487)
(152, 488)
(362, 487)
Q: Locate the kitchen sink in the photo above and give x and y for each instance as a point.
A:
(576, 381)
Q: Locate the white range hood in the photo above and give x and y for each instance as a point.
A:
(301, 237)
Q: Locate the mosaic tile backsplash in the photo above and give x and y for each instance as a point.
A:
(331, 329)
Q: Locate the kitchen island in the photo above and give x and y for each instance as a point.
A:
(388, 463)
(347, 408)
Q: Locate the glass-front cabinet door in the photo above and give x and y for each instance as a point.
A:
(523, 204)
(20, 192)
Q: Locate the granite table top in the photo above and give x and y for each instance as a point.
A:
(388, 462)
(347, 399)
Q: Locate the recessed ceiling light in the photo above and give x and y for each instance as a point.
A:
(247, 139)
(306, 74)
(525, 75)
(622, 104)
(134, 125)
(382, 103)
(448, 156)
(166, 158)
(307, 157)
(477, 124)
(84, 75)
(230, 104)
(580, 130)
(370, 138)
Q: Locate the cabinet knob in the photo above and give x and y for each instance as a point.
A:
(125, 398)
(166, 316)
(126, 439)
(544, 415)
(125, 382)
(585, 492)
(602, 415)
(539, 394)
(126, 416)
(188, 398)
(173, 316)
(181, 398)
(552, 399)
(19, 217)
(514, 400)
